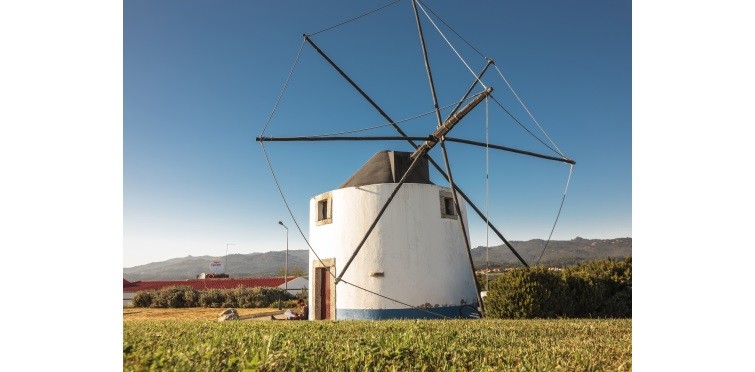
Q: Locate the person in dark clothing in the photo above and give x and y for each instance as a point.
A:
(303, 314)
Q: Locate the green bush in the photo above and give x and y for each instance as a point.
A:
(303, 294)
(583, 295)
(608, 284)
(594, 289)
(290, 304)
(191, 298)
(211, 298)
(143, 299)
(244, 297)
(619, 305)
(239, 297)
(175, 297)
(522, 293)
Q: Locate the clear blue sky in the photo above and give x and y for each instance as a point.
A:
(192, 84)
(200, 79)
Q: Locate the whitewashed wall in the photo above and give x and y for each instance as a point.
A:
(423, 256)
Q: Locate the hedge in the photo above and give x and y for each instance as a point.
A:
(596, 289)
(185, 296)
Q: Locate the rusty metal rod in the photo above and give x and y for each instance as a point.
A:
(418, 154)
(474, 84)
(401, 182)
(430, 159)
(441, 131)
(395, 138)
(445, 154)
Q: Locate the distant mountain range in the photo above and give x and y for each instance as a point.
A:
(558, 254)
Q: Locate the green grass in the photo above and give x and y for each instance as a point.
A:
(405, 345)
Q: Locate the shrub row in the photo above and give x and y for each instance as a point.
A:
(241, 297)
(597, 289)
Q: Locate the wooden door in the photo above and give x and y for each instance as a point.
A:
(327, 295)
(324, 293)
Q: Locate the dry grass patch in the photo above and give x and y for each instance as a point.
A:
(193, 313)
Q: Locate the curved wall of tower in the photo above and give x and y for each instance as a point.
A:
(416, 253)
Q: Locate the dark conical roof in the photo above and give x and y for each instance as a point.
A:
(388, 167)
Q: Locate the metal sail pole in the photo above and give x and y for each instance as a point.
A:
(474, 84)
(413, 144)
(418, 154)
(427, 64)
(377, 218)
(510, 149)
(461, 223)
(399, 138)
(445, 154)
(361, 92)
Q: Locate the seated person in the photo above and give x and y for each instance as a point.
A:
(304, 311)
(303, 314)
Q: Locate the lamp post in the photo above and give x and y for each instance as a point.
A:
(285, 272)
(226, 256)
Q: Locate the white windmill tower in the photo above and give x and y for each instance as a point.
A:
(388, 243)
(415, 252)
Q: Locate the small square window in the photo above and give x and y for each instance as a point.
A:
(324, 209)
(449, 205)
(447, 208)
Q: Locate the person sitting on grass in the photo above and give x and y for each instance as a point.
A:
(302, 315)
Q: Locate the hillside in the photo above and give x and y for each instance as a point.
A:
(238, 266)
(559, 253)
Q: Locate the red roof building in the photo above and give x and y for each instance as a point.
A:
(205, 284)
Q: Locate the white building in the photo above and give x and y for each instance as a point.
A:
(416, 253)
(296, 285)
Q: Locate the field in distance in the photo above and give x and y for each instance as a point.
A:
(482, 344)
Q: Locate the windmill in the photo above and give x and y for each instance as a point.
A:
(369, 236)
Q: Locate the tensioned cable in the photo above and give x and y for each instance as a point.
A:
(389, 124)
(528, 111)
(355, 18)
(285, 85)
(296, 223)
(571, 168)
(282, 93)
(451, 45)
(524, 127)
(452, 30)
(487, 199)
(394, 300)
(285, 202)
(410, 138)
(557, 150)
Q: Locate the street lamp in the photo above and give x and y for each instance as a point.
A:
(285, 272)
(226, 255)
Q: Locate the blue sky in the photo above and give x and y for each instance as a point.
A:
(201, 78)
(127, 138)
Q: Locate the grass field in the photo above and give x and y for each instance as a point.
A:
(405, 345)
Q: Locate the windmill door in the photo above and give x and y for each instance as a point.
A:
(324, 290)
